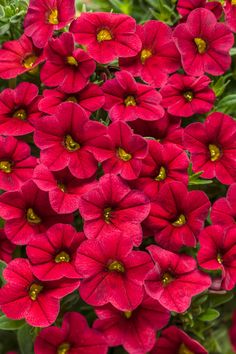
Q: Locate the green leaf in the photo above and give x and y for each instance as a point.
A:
(233, 51)
(220, 85)
(219, 299)
(10, 325)
(209, 315)
(25, 339)
(2, 12)
(2, 267)
(4, 28)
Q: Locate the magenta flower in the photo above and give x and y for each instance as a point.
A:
(52, 253)
(63, 188)
(106, 35)
(27, 213)
(126, 99)
(43, 17)
(223, 211)
(184, 96)
(127, 151)
(113, 206)
(212, 145)
(91, 98)
(16, 163)
(158, 56)
(112, 272)
(163, 164)
(63, 145)
(204, 49)
(230, 14)
(174, 279)
(19, 56)
(66, 67)
(177, 216)
(174, 340)
(24, 296)
(6, 247)
(165, 130)
(73, 337)
(135, 330)
(184, 7)
(218, 252)
(19, 109)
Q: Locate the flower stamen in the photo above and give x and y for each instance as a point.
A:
(180, 221)
(29, 61)
(166, 279)
(145, 54)
(184, 350)
(104, 35)
(214, 152)
(116, 266)
(71, 60)
(53, 17)
(188, 95)
(5, 166)
(20, 114)
(70, 143)
(107, 215)
(63, 348)
(62, 257)
(128, 314)
(34, 291)
(130, 101)
(123, 155)
(201, 45)
(162, 174)
(32, 217)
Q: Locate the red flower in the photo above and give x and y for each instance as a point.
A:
(19, 56)
(230, 14)
(66, 67)
(19, 109)
(112, 272)
(213, 147)
(106, 35)
(218, 251)
(223, 211)
(177, 216)
(174, 279)
(158, 56)
(64, 189)
(74, 336)
(127, 151)
(27, 213)
(184, 96)
(112, 206)
(204, 48)
(126, 99)
(91, 98)
(163, 164)
(16, 163)
(24, 296)
(63, 145)
(43, 17)
(174, 340)
(52, 254)
(135, 330)
(6, 247)
(184, 7)
(165, 130)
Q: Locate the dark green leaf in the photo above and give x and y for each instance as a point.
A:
(25, 339)
(10, 325)
(209, 315)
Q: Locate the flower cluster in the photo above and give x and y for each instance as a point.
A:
(97, 159)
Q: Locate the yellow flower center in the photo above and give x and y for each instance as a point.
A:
(214, 152)
(5, 166)
(32, 217)
(162, 174)
(188, 95)
(107, 215)
(63, 348)
(233, 2)
(71, 61)
(71, 144)
(104, 35)
(166, 279)
(130, 101)
(145, 54)
(34, 291)
(201, 45)
(53, 17)
(116, 266)
(180, 221)
(29, 61)
(20, 114)
(61, 186)
(123, 155)
(128, 314)
(72, 99)
(219, 258)
(184, 350)
(62, 257)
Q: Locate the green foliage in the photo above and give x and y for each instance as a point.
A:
(10, 325)
(25, 337)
